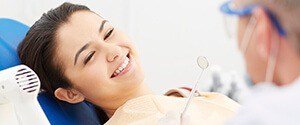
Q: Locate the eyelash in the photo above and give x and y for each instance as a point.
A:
(108, 34)
(88, 58)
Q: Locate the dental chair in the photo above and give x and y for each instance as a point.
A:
(58, 112)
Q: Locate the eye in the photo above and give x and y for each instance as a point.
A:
(108, 33)
(88, 57)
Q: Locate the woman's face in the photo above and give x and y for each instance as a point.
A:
(98, 59)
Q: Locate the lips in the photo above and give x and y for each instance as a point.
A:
(120, 69)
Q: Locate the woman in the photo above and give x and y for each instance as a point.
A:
(80, 56)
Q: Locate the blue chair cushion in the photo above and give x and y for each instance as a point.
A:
(58, 112)
(9, 56)
(63, 113)
(11, 33)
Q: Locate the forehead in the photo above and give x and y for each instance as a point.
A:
(241, 4)
(80, 24)
(81, 28)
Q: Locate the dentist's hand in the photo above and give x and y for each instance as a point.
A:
(174, 118)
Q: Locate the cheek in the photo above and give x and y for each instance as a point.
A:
(242, 27)
(91, 79)
(240, 31)
(123, 40)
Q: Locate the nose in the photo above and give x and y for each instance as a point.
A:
(113, 53)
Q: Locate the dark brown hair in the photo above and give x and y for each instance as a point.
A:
(38, 48)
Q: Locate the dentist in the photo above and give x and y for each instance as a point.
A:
(268, 35)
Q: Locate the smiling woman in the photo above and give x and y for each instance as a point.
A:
(80, 56)
(87, 58)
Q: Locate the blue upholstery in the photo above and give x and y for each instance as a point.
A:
(63, 113)
(11, 32)
(57, 112)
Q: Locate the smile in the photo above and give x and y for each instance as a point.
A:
(123, 68)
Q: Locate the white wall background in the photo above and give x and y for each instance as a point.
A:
(169, 34)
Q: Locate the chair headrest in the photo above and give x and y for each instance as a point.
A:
(11, 34)
(63, 113)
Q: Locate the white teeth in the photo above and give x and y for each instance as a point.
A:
(122, 67)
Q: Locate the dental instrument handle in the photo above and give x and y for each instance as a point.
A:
(191, 96)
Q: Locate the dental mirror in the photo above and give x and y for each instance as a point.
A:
(203, 63)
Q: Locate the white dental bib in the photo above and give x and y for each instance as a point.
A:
(209, 109)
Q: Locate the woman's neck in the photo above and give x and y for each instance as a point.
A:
(139, 91)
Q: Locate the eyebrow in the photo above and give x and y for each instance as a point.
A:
(88, 44)
(102, 26)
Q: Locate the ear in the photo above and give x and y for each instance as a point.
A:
(69, 95)
(263, 33)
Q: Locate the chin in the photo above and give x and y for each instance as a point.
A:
(137, 79)
(256, 76)
(134, 82)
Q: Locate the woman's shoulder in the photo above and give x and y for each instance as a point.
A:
(220, 100)
(210, 97)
